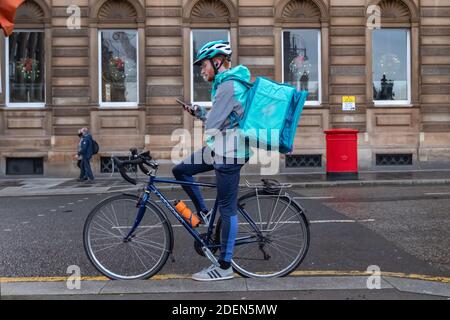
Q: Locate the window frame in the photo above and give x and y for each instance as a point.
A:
(34, 105)
(102, 104)
(314, 103)
(207, 104)
(403, 103)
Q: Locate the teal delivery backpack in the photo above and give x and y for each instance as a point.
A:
(271, 115)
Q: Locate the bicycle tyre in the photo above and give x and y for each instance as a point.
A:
(239, 262)
(129, 204)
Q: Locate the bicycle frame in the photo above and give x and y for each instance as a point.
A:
(151, 188)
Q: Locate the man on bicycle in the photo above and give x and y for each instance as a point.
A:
(225, 152)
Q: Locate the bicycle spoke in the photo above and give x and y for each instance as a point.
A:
(117, 222)
(101, 233)
(107, 220)
(284, 223)
(273, 210)
(108, 246)
(283, 228)
(139, 258)
(147, 230)
(286, 242)
(259, 207)
(281, 251)
(149, 254)
(103, 229)
(285, 236)
(284, 248)
(104, 238)
(150, 245)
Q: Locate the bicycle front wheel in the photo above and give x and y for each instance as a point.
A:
(139, 257)
(274, 241)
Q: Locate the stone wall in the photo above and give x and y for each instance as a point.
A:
(163, 27)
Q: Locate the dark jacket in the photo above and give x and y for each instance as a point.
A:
(86, 146)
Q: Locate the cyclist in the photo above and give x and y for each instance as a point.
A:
(225, 152)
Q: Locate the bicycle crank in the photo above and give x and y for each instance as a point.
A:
(198, 247)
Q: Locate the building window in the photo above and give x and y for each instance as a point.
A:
(200, 89)
(301, 61)
(26, 69)
(118, 68)
(391, 66)
(24, 166)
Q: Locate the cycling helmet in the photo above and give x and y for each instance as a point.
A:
(213, 49)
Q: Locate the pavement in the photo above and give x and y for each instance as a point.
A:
(34, 186)
(92, 288)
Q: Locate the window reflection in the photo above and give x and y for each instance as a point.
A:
(26, 67)
(301, 60)
(390, 64)
(202, 89)
(119, 66)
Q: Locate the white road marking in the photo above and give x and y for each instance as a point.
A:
(70, 203)
(41, 215)
(245, 223)
(7, 230)
(313, 198)
(341, 221)
(25, 222)
(62, 207)
(299, 198)
(437, 193)
(53, 210)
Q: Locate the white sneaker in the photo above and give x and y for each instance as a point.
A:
(214, 273)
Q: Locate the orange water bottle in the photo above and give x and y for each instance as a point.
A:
(186, 213)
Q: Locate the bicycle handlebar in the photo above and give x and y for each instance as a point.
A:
(140, 160)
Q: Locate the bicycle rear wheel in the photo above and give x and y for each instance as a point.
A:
(278, 240)
(143, 255)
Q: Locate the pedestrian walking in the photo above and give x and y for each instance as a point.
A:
(86, 152)
(78, 157)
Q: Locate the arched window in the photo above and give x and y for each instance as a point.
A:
(26, 56)
(206, 20)
(394, 47)
(302, 34)
(119, 27)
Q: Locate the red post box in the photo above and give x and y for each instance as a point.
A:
(342, 154)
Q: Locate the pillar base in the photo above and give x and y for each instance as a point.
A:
(335, 176)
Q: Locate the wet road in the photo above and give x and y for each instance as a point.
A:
(399, 229)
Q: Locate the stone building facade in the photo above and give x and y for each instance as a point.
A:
(117, 66)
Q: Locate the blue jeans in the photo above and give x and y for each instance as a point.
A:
(227, 179)
(85, 167)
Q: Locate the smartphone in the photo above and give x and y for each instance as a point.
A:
(184, 104)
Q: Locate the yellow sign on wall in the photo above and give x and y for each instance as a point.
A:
(348, 103)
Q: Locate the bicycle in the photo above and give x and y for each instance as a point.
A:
(272, 240)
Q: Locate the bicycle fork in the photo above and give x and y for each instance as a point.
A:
(140, 215)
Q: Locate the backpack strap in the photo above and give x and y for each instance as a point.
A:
(234, 118)
(245, 83)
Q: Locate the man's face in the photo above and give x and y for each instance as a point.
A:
(207, 70)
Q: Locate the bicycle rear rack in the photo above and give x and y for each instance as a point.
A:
(271, 188)
(268, 185)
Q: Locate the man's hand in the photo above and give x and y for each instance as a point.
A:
(190, 109)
